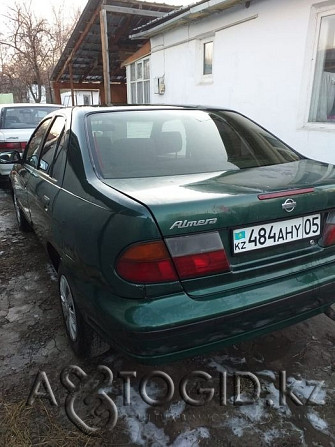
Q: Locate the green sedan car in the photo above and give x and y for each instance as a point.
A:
(176, 230)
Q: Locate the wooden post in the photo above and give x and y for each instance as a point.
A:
(56, 90)
(105, 55)
(71, 84)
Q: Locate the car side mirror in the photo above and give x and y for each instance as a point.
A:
(10, 157)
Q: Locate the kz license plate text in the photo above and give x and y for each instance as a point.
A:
(267, 235)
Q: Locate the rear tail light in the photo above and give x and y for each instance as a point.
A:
(146, 263)
(198, 255)
(329, 230)
(9, 146)
(190, 257)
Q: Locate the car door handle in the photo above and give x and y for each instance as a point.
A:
(46, 201)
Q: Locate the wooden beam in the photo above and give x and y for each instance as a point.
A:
(78, 85)
(132, 11)
(105, 55)
(78, 43)
(57, 96)
(71, 84)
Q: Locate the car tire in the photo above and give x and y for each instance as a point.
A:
(22, 222)
(84, 341)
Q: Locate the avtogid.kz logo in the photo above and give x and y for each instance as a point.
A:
(89, 402)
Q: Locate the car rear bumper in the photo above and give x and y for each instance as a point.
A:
(177, 326)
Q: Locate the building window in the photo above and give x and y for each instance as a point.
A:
(87, 100)
(140, 82)
(208, 58)
(323, 95)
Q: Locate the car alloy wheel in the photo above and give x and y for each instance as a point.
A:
(22, 222)
(68, 308)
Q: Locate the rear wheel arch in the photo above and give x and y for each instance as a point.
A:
(54, 256)
(22, 221)
(84, 341)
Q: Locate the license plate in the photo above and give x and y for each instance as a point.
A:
(276, 233)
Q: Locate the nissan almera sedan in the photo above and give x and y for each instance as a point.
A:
(176, 230)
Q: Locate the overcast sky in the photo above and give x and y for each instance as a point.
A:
(43, 8)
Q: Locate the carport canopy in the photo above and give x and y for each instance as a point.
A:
(98, 45)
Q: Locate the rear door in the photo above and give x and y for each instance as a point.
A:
(27, 170)
(44, 185)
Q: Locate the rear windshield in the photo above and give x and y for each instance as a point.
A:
(24, 117)
(147, 143)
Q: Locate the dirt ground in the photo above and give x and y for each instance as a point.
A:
(32, 340)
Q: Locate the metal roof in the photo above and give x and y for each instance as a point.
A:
(83, 52)
(189, 13)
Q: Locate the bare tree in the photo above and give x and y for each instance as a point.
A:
(33, 48)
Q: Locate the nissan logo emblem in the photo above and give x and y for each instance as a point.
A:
(289, 205)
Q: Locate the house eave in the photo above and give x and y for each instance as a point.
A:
(184, 16)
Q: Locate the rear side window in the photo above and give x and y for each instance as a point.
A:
(146, 143)
(58, 165)
(32, 152)
(51, 143)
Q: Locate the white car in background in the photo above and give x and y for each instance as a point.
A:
(17, 123)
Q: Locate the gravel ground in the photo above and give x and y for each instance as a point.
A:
(32, 342)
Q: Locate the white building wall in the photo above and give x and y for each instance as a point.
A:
(262, 67)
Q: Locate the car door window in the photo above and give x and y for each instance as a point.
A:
(33, 148)
(51, 143)
(58, 164)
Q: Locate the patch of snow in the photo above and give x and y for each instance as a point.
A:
(317, 422)
(273, 400)
(141, 430)
(191, 438)
(272, 434)
(254, 412)
(236, 360)
(301, 434)
(237, 426)
(52, 272)
(220, 368)
(223, 363)
(259, 360)
(15, 313)
(175, 410)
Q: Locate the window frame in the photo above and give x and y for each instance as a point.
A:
(38, 149)
(317, 73)
(137, 76)
(204, 46)
(57, 141)
(310, 67)
(58, 149)
(200, 59)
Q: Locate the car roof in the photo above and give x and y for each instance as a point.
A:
(132, 107)
(27, 104)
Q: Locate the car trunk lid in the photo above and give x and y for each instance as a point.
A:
(14, 139)
(203, 202)
(234, 203)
